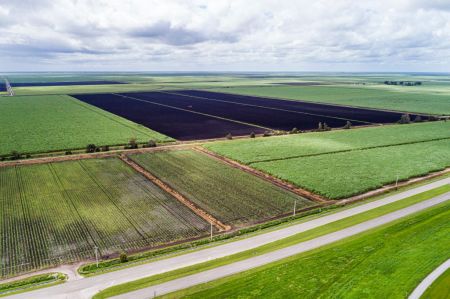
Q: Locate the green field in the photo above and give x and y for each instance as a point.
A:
(440, 288)
(249, 151)
(33, 124)
(387, 262)
(420, 101)
(345, 174)
(55, 213)
(231, 195)
(340, 164)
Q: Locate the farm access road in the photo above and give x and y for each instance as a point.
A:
(87, 287)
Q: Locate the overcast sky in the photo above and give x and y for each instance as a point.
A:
(219, 35)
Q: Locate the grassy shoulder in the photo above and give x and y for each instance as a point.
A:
(31, 283)
(153, 280)
(386, 262)
(440, 289)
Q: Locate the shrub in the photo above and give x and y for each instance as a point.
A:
(91, 148)
(105, 148)
(15, 155)
(320, 127)
(404, 119)
(267, 134)
(123, 257)
(151, 143)
(252, 135)
(348, 125)
(294, 131)
(326, 127)
(229, 136)
(68, 153)
(132, 143)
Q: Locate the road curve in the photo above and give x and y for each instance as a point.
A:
(87, 287)
(428, 281)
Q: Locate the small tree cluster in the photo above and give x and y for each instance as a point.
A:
(91, 148)
(405, 119)
(123, 257)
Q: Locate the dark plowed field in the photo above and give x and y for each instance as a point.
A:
(365, 115)
(266, 117)
(194, 114)
(176, 123)
(29, 84)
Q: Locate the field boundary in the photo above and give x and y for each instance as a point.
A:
(185, 201)
(273, 180)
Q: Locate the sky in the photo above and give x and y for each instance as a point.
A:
(219, 35)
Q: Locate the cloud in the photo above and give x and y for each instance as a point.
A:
(225, 35)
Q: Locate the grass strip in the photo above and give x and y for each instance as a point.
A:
(31, 283)
(385, 262)
(440, 287)
(301, 237)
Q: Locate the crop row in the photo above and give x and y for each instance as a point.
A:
(82, 204)
(227, 193)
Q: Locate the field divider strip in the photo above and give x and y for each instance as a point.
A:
(282, 184)
(347, 150)
(195, 112)
(185, 201)
(265, 107)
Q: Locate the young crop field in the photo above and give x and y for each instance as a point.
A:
(340, 175)
(388, 262)
(249, 151)
(229, 194)
(47, 123)
(378, 98)
(56, 213)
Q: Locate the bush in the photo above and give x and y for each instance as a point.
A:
(326, 127)
(320, 127)
(229, 136)
(91, 148)
(348, 125)
(15, 155)
(267, 134)
(68, 153)
(151, 143)
(252, 135)
(105, 148)
(132, 144)
(123, 257)
(294, 131)
(404, 119)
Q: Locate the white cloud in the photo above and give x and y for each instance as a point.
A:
(292, 35)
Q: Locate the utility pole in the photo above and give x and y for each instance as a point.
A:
(211, 236)
(295, 206)
(396, 183)
(96, 254)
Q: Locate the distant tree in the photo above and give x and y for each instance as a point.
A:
(91, 148)
(348, 125)
(132, 143)
(404, 119)
(15, 155)
(294, 131)
(418, 119)
(123, 257)
(151, 143)
(229, 136)
(320, 127)
(252, 135)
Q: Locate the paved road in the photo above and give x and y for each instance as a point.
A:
(428, 281)
(85, 288)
